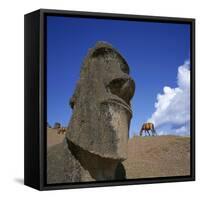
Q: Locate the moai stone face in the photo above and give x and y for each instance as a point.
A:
(101, 104)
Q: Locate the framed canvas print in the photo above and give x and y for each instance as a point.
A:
(109, 99)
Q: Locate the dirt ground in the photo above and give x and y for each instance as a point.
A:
(53, 138)
(157, 156)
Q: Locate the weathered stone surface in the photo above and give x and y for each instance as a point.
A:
(62, 166)
(67, 162)
(101, 104)
(97, 134)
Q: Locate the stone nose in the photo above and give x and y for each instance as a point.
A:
(127, 90)
(123, 88)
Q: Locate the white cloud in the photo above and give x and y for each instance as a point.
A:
(172, 108)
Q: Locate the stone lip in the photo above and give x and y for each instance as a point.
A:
(119, 102)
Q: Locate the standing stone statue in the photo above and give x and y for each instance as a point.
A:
(57, 125)
(97, 134)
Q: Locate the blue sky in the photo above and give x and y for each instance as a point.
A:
(154, 51)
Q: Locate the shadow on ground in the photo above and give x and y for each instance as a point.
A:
(19, 180)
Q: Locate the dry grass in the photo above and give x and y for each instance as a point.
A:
(158, 156)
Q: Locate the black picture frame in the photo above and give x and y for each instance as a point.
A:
(35, 98)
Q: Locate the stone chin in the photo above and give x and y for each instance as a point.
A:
(105, 133)
(117, 114)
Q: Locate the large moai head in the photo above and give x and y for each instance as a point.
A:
(101, 104)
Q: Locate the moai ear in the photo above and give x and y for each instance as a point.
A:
(73, 99)
(72, 102)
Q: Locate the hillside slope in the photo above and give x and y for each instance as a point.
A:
(158, 156)
(149, 156)
(53, 138)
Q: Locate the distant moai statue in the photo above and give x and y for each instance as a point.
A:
(57, 125)
(97, 134)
